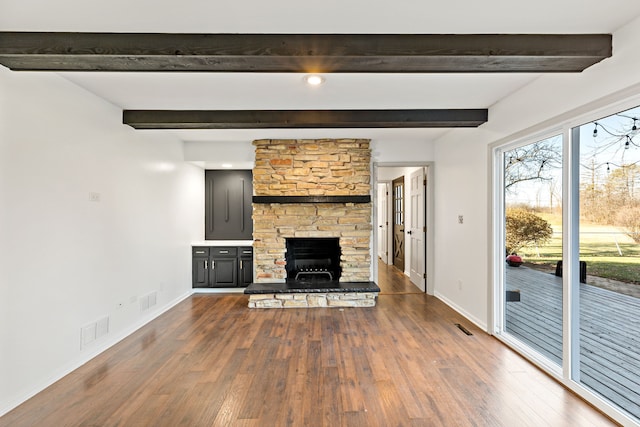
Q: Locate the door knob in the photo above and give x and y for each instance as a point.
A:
(409, 231)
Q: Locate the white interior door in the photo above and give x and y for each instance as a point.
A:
(383, 222)
(417, 230)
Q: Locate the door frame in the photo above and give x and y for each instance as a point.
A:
(387, 214)
(429, 217)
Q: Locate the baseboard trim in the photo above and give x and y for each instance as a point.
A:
(217, 291)
(479, 323)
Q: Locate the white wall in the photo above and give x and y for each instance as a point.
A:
(461, 189)
(241, 153)
(462, 184)
(390, 151)
(66, 261)
(211, 155)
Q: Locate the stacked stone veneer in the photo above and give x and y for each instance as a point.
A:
(337, 299)
(328, 167)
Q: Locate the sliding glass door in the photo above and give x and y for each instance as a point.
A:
(567, 255)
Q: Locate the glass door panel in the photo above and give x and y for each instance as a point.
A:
(532, 299)
(609, 242)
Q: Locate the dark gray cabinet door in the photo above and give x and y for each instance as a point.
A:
(200, 267)
(228, 198)
(200, 272)
(223, 272)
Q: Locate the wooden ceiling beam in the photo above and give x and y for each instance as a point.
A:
(302, 119)
(319, 53)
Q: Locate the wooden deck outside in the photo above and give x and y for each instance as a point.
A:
(609, 332)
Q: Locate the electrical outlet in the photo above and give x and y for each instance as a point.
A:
(94, 197)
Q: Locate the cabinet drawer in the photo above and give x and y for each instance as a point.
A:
(223, 251)
(200, 252)
(246, 251)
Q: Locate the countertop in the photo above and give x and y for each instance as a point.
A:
(223, 243)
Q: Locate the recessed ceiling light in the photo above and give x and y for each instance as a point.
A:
(314, 79)
(227, 165)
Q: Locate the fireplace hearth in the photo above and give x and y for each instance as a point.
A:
(313, 259)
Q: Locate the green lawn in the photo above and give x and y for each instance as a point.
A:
(597, 247)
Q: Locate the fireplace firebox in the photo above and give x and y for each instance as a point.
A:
(313, 259)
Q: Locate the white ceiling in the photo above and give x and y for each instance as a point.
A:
(287, 91)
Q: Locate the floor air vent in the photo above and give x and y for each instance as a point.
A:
(463, 329)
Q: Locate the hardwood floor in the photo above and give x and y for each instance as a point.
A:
(393, 281)
(211, 361)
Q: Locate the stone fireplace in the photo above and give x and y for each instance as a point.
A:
(312, 189)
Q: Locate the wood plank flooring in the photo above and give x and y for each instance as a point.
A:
(393, 281)
(211, 361)
(609, 332)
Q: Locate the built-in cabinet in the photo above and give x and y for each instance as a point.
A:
(228, 205)
(222, 266)
(245, 271)
(228, 210)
